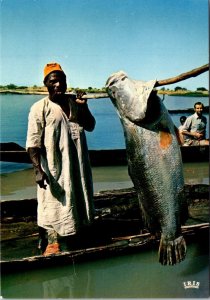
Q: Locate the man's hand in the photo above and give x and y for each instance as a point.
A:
(195, 135)
(41, 178)
(84, 118)
(198, 135)
(79, 96)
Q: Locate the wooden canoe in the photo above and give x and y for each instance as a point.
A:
(118, 229)
(12, 152)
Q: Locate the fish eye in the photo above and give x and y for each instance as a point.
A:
(112, 82)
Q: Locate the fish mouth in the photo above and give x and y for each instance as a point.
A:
(121, 75)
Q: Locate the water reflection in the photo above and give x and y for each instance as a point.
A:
(71, 286)
(130, 276)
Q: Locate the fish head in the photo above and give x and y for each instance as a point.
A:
(129, 96)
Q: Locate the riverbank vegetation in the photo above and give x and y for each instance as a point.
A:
(15, 89)
(178, 91)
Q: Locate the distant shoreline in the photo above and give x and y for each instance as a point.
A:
(23, 92)
(184, 93)
(101, 94)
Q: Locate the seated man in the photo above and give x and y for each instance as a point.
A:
(194, 128)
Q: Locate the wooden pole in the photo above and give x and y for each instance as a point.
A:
(183, 76)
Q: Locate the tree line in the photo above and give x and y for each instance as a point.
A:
(12, 86)
(90, 89)
(178, 88)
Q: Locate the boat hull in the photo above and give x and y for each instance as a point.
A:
(118, 229)
(12, 152)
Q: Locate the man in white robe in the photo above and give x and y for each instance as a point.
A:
(57, 146)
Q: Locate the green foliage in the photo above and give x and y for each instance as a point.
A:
(178, 88)
(22, 87)
(191, 94)
(78, 90)
(178, 91)
(202, 89)
(11, 86)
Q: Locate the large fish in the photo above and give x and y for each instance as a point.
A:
(154, 160)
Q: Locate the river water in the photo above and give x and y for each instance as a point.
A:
(130, 276)
(21, 184)
(108, 132)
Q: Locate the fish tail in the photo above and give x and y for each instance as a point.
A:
(172, 252)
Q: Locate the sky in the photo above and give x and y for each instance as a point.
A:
(91, 39)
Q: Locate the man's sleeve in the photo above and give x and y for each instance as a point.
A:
(187, 124)
(35, 128)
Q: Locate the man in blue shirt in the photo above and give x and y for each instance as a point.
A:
(194, 128)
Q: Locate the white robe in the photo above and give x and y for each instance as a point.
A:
(67, 202)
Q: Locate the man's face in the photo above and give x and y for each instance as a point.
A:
(56, 85)
(199, 109)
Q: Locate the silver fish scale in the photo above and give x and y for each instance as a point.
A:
(156, 175)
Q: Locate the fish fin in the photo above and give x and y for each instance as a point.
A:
(172, 252)
(165, 139)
